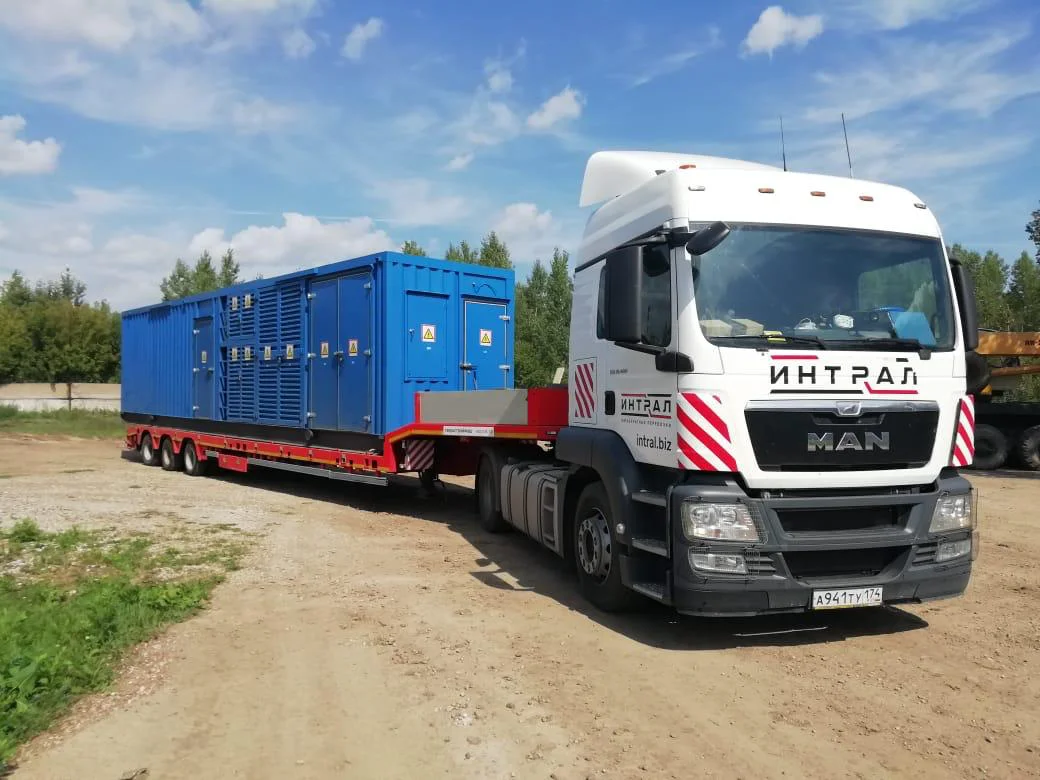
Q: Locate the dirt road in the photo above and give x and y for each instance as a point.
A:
(373, 634)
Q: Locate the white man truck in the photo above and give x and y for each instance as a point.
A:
(769, 389)
(769, 396)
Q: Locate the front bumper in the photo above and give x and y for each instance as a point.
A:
(813, 540)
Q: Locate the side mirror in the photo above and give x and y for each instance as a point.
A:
(964, 287)
(706, 239)
(624, 320)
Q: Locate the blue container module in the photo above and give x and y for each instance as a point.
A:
(341, 348)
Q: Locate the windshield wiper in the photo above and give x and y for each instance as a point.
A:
(778, 341)
(904, 345)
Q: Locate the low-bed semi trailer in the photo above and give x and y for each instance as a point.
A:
(768, 396)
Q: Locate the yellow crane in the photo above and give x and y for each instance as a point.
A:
(1007, 428)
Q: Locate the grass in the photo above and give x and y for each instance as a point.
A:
(72, 603)
(80, 423)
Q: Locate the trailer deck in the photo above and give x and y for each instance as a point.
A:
(441, 439)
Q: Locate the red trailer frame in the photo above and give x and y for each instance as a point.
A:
(416, 447)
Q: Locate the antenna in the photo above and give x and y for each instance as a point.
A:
(847, 152)
(783, 146)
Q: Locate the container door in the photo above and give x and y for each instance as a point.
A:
(355, 380)
(484, 362)
(202, 368)
(323, 357)
(426, 320)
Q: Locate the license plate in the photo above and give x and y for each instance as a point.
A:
(839, 599)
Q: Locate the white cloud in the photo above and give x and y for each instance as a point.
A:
(899, 14)
(259, 116)
(233, 7)
(459, 162)
(413, 202)
(530, 233)
(109, 26)
(301, 241)
(25, 157)
(776, 28)
(359, 38)
(564, 106)
(499, 78)
(961, 76)
(298, 44)
(652, 67)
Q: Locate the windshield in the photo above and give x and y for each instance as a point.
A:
(822, 285)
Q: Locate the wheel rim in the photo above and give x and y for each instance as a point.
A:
(167, 454)
(594, 546)
(189, 456)
(146, 448)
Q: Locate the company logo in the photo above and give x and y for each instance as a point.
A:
(849, 441)
(657, 406)
(794, 374)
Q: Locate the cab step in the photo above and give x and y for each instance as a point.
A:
(655, 546)
(647, 497)
(653, 590)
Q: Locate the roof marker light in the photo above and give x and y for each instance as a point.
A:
(818, 194)
(696, 188)
(766, 190)
(920, 206)
(686, 166)
(867, 198)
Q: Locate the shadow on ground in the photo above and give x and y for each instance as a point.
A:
(514, 562)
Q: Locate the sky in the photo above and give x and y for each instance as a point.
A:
(300, 132)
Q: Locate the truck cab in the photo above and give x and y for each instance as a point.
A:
(769, 398)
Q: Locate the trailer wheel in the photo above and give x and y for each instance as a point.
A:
(149, 456)
(991, 448)
(193, 467)
(1029, 448)
(169, 459)
(597, 553)
(488, 509)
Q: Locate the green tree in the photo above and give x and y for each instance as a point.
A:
(990, 274)
(463, 253)
(1033, 231)
(1024, 294)
(202, 277)
(412, 248)
(493, 252)
(543, 312)
(16, 291)
(15, 344)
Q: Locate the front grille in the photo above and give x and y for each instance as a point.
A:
(807, 440)
(925, 553)
(759, 564)
(868, 562)
(867, 518)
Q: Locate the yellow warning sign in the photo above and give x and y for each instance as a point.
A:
(290, 352)
(204, 356)
(485, 338)
(352, 348)
(324, 349)
(248, 300)
(429, 333)
(234, 354)
(249, 353)
(234, 303)
(267, 352)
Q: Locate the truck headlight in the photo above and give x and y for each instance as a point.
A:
(721, 522)
(952, 513)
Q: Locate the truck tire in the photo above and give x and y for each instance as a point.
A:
(193, 467)
(597, 554)
(1029, 448)
(489, 511)
(149, 456)
(991, 448)
(168, 459)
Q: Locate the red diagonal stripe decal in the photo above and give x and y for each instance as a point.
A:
(695, 457)
(708, 441)
(708, 414)
(966, 410)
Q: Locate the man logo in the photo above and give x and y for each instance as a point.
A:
(849, 441)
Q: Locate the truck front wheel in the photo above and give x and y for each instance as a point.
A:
(597, 553)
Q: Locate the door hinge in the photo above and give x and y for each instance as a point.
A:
(311, 296)
(504, 367)
(368, 353)
(504, 317)
(368, 285)
(311, 414)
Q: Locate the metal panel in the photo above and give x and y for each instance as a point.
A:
(355, 377)
(157, 360)
(291, 363)
(426, 320)
(204, 368)
(324, 365)
(484, 352)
